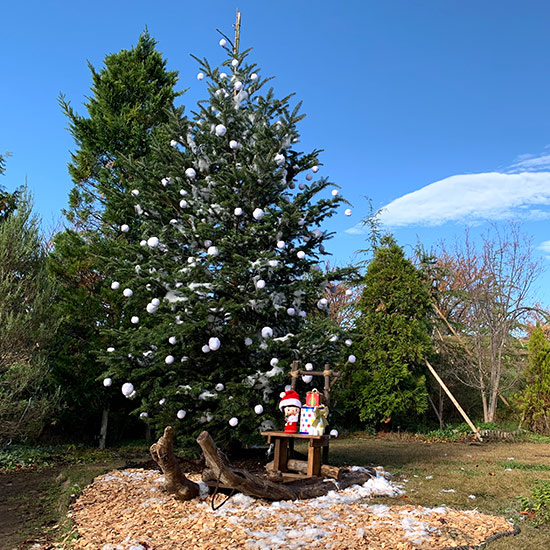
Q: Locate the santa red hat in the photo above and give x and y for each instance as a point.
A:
(289, 398)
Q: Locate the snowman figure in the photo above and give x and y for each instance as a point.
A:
(290, 405)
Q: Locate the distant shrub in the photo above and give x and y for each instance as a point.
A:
(539, 502)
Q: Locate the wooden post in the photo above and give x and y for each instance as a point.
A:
(294, 373)
(327, 373)
(455, 402)
(237, 34)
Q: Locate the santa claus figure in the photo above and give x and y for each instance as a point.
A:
(290, 405)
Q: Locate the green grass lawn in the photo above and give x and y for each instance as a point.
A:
(496, 474)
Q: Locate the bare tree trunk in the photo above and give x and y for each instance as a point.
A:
(103, 431)
(176, 482)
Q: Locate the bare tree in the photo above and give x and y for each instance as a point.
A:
(485, 296)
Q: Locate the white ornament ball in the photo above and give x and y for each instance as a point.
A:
(315, 169)
(173, 143)
(155, 302)
(349, 292)
(258, 214)
(214, 343)
(223, 43)
(267, 332)
(352, 359)
(281, 244)
(220, 130)
(169, 359)
(143, 243)
(181, 414)
(309, 177)
(219, 387)
(183, 203)
(162, 401)
(233, 144)
(279, 159)
(107, 382)
(190, 173)
(151, 308)
(172, 340)
(234, 62)
(153, 242)
(213, 251)
(301, 186)
(301, 254)
(323, 302)
(200, 76)
(347, 212)
(348, 342)
(125, 228)
(143, 414)
(233, 422)
(110, 350)
(334, 192)
(207, 243)
(253, 77)
(258, 409)
(134, 320)
(302, 314)
(238, 85)
(248, 341)
(273, 263)
(333, 338)
(205, 348)
(135, 192)
(307, 378)
(115, 285)
(260, 284)
(127, 292)
(333, 433)
(274, 362)
(291, 311)
(127, 389)
(309, 366)
(238, 211)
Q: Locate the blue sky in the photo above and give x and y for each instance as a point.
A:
(437, 110)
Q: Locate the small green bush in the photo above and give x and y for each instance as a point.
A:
(539, 502)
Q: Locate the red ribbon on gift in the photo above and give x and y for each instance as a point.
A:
(313, 398)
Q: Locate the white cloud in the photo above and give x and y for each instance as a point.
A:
(544, 246)
(471, 198)
(530, 163)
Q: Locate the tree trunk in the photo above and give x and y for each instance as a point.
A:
(300, 466)
(249, 484)
(103, 431)
(176, 482)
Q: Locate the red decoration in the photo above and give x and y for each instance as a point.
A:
(313, 398)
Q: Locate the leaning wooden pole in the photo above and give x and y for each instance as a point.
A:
(455, 402)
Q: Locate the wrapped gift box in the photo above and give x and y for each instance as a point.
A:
(306, 419)
(313, 398)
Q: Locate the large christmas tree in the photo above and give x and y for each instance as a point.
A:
(219, 271)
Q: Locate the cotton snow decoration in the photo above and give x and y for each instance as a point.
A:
(169, 359)
(173, 143)
(134, 320)
(322, 303)
(301, 222)
(258, 214)
(274, 362)
(162, 401)
(352, 359)
(115, 285)
(127, 292)
(260, 284)
(258, 409)
(153, 242)
(349, 292)
(281, 244)
(238, 211)
(248, 341)
(301, 254)
(135, 192)
(233, 144)
(172, 340)
(110, 350)
(143, 414)
(253, 77)
(309, 177)
(333, 338)
(233, 422)
(125, 228)
(333, 433)
(219, 387)
(155, 302)
(200, 76)
(238, 85)
(291, 311)
(143, 243)
(301, 187)
(279, 159)
(183, 203)
(213, 251)
(220, 130)
(234, 62)
(317, 233)
(181, 414)
(223, 43)
(267, 332)
(107, 382)
(309, 366)
(127, 389)
(190, 173)
(151, 308)
(206, 348)
(307, 378)
(347, 212)
(302, 314)
(214, 343)
(334, 192)
(315, 169)
(273, 263)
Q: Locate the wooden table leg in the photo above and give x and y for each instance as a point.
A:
(313, 460)
(280, 457)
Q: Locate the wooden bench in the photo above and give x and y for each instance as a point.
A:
(317, 451)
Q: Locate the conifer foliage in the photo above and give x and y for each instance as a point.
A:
(393, 337)
(219, 271)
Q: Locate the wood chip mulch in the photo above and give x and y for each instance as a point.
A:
(128, 510)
